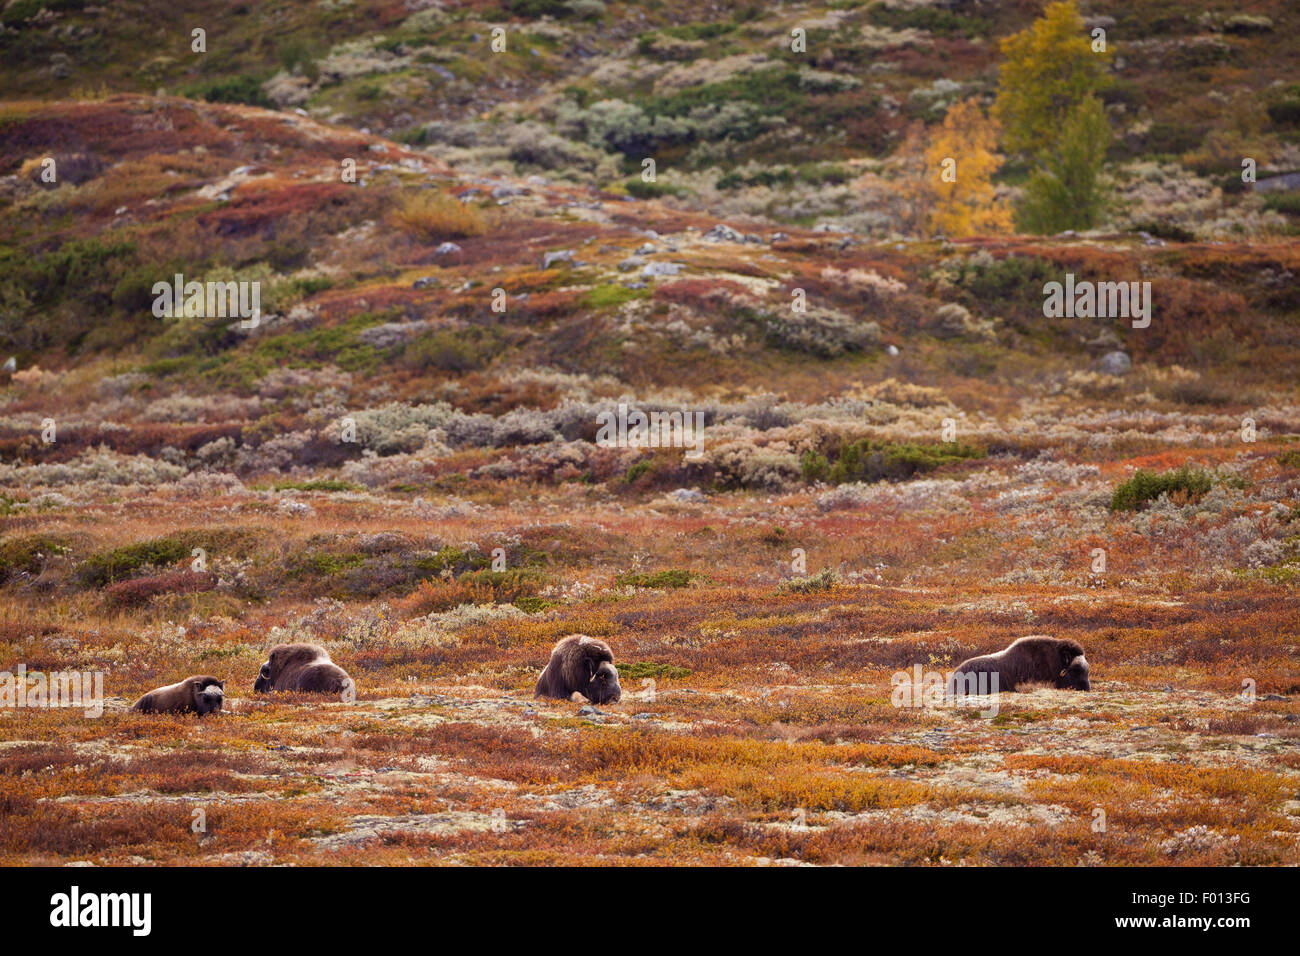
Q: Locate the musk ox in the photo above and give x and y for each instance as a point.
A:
(1030, 660)
(194, 695)
(583, 664)
(305, 667)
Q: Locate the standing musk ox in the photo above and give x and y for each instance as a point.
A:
(194, 695)
(583, 664)
(305, 667)
(1030, 660)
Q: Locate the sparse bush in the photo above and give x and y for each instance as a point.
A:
(823, 580)
(820, 331)
(436, 217)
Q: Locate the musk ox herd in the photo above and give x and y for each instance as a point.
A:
(582, 665)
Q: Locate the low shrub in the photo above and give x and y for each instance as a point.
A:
(246, 89)
(28, 554)
(137, 592)
(823, 580)
(868, 461)
(1147, 486)
(107, 567)
(668, 578)
(436, 217)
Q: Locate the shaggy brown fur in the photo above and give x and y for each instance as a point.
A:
(305, 667)
(194, 695)
(582, 664)
(1031, 660)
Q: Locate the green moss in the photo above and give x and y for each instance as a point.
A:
(512, 579)
(27, 554)
(638, 670)
(668, 578)
(643, 190)
(1147, 486)
(454, 350)
(534, 605)
(610, 295)
(323, 564)
(637, 469)
(1286, 203)
(869, 461)
(119, 563)
(246, 88)
(319, 484)
(940, 22)
(451, 559)
(1278, 574)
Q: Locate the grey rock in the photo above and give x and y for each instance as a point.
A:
(723, 233)
(391, 333)
(653, 269)
(1115, 363)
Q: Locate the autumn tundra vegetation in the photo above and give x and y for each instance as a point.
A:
(826, 233)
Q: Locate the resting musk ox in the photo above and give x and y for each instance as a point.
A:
(1030, 660)
(583, 664)
(194, 695)
(305, 667)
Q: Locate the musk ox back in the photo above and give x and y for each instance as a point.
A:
(1030, 660)
(582, 664)
(201, 694)
(302, 667)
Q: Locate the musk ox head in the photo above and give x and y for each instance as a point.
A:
(280, 657)
(283, 656)
(602, 682)
(265, 682)
(1073, 674)
(209, 698)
